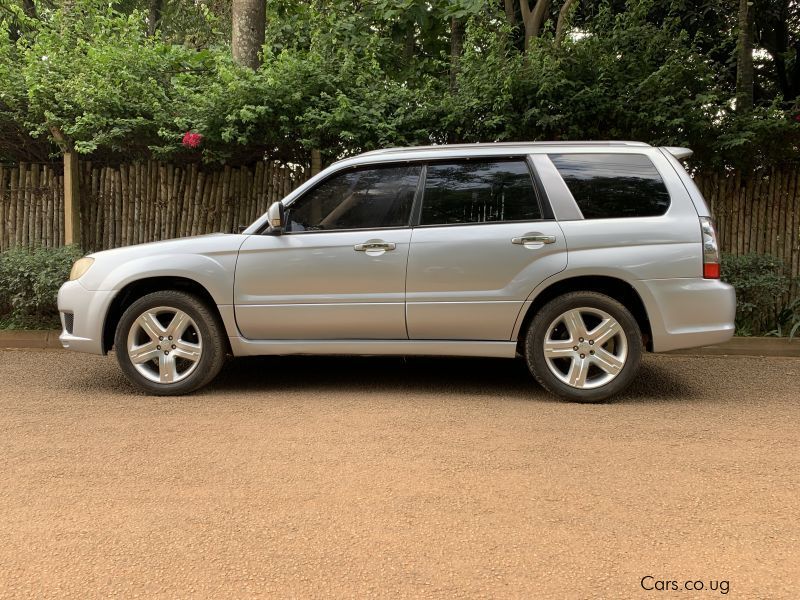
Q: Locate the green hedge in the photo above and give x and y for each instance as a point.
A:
(29, 282)
(761, 282)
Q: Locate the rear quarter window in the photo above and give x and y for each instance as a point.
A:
(608, 186)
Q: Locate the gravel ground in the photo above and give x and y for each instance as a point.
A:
(360, 477)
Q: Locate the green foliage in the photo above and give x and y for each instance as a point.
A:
(760, 281)
(345, 77)
(788, 321)
(765, 136)
(29, 282)
(483, 105)
(793, 321)
(92, 74)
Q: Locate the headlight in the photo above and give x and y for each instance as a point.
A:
(80, 267)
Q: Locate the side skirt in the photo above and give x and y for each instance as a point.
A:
(244, 347)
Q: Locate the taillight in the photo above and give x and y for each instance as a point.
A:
(710, 249)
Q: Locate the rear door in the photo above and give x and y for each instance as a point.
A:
(479, 249)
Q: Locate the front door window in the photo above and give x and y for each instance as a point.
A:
(366, 198)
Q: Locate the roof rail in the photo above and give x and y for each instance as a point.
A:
(502, 145)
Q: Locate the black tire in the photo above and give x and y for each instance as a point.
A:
(210, 333)
(539, 330)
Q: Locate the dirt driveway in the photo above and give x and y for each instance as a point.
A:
(362, 477)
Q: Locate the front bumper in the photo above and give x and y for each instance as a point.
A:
(89, 310)
(688, 313)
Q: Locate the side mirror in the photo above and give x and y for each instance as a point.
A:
(276, 217)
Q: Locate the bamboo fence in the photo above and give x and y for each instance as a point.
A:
(142, 202)
(31, 206)
(137, 202)
(756, 212)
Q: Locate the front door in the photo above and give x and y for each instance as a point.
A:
(338, 272)
(479, 250)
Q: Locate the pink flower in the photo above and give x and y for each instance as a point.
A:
(797, 117)
(192, 140)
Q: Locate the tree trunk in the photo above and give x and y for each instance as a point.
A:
(408, 45)
(744, 60)
(316, 162)
(533, 19)
(794, 84)
(456, 47)
(154, 16)
(563, 20)
(72, 199)
(511, 13)
(249, 23)
(29, 8)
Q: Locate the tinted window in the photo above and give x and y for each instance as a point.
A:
(358, 199)
(478, 192)
(613, 185)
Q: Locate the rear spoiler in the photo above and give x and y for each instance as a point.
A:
(679, 153)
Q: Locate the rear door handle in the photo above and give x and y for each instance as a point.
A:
(374, 245)
(534, 238)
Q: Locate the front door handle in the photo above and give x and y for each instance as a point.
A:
(374, 245)
(534, 238)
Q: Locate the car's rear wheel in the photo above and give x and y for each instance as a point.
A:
(169, 343)
(584, 346)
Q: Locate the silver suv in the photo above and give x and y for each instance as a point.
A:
(576, 256)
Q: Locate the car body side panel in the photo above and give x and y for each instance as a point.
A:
(636, 248)
(89, 309)
(688, 312)
(691, 187)
(468, 282)
(209, 260)
(245, 347)
(661, 258)
(317, 286)
(558, 194)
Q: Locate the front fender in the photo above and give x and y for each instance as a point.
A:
(214, 273)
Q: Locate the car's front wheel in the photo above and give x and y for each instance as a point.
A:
(169, 343)
(584, 346)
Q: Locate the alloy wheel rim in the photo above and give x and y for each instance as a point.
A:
(164, 345)
(585, 348)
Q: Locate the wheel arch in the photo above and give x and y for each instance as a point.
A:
(147, 285)
(614, 287)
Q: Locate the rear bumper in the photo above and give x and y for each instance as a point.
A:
(89, 310)
(687, 313)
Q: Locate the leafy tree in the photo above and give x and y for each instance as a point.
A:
(744, 58)
(777, 24)
(119, 80)
(84, 82)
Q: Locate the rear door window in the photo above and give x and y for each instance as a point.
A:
(478, 192)
(613, 185)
